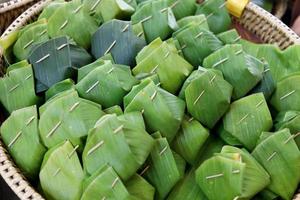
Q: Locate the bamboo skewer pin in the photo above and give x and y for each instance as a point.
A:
(57, 171)
(115, 182)
(272, 156)
(30, 120)
(61, 47)
(214, 176)
(53, 129)
(292, 137)
(15, 139)
(95, 5)
(42, 59)
(198, 98)
(241, 120)
(28, 44)
(64, 24)
(220, 62)
(73, 151)
(118, 129)
(287, 95)
(74, 106)
(145, 170)
(110, 47)
(15, 87)
(92, 87)
(95, 147)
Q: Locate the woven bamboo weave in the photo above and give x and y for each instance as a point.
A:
(256, 20)
(10, 10)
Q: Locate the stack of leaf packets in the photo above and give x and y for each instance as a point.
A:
(150, 99)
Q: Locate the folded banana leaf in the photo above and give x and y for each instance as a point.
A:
(18, 65)
(182, 8)
(108, 9)
(17, 89)
(280, 62)
(120, 41)
(61, 173)
(287, 90)
(230, 37)
(85, 70)
(241, 70)
(266, 195)
(6, 45)
(212, 145)
(170, 67)
(132, 3)
(246, 119)
(267, 84)
(140, 188)
(190, 139)
(216, 13)
(196, 43)
(59, 87)
(20, 134)
(114, 110)
(68, 117)
(290, 120)
(107, 84)
(68, 19)
(280, 156)
(206, 91)
(235, 168)
(187, 189)
(164, 167)
(157, 18)
(161, 110)
(56, 60)
(197, 19)
(28, 38)
(104, 184)
(51, 8)
(257, 176)
(120, 141)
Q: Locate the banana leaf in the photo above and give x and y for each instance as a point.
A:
(286, 93)
(55, 61)
(241, 70)
(164, 168)
(6, 47)
(30, 37)
(237, 169)
(107, 84)
(197, 19)
(216, 173)
(61, 173)
(280, 156)
(157, 18)
(190, 139)
(18, 65)
(120, 41)
(161, 110)
(85, 70)
(20, 134)
(196, 43)
(266, 195)
(170, 67)
(280, 62)
(174, 46)
(104, 184)
(132, 3)
(230, 37)
(267, 84)
(108, 9)
(17, 89)
(182, 8)
(68, 20)
(216, 13)
(140, 188)
(290, 120)
(212, 145)
(114, 110)
(257, 177)
(120, 141)
(68, 117)
(51, 8)
(59, 87)
(206, 91)
(246, 119)
(187, 189)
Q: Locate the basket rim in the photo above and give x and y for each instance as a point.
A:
(13, 4)
(8, 170)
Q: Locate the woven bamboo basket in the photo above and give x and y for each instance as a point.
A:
(254, 19)
(10, 10)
